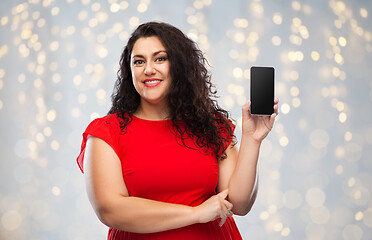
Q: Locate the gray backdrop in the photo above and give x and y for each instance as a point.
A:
(58, 63)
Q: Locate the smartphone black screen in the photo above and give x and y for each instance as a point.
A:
(262, 90)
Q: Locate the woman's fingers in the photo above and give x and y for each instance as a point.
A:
(223, 194)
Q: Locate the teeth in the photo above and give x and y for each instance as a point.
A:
(153, 81)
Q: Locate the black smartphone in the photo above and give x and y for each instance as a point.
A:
(262, 90)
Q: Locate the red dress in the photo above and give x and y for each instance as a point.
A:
(156, 165)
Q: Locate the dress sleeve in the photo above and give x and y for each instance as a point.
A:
(102, 128)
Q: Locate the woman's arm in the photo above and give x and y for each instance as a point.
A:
(115, 208)
(238, 172)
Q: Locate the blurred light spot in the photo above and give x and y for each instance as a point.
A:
(101, 93)
(72, 63)
(296, 102)
(82, 98)
(333, 41)
(192, 19)
(278, 227)
(360, 196)
(241, 22)
(276, 41)
(82, 15)
(54, 145)
(294, 91)
(319, 215)
(142, 7)
(77, 80)
(51, 115)
(1, 104)
(342, 41)
(124, 5)
(342, 117)
(293, 75)
(47, 131)
(89, 68)
(292, 199)
(228, 102)
(123, 36)
(339, 169)
(339, 59)
(348, 136)
(21, 97)
(11, 220)
(3, 50)
(340, 152)
(247, 74)
(296, 5)
(363, 13)
(285, 108)
(285, 232)
(277, 18)
(101, 51)
(315, 197)
(75, 112)
(358, 216)
(257, 8)
(93, 22)
(55, 11)
(352, 232)
(94, 116)
(56, 191)
(264, 215)
(4, 20)
(272, 209)
(198, 4)
(53, 46)
(283, 141)
(40, 137)
(239, 37)
(315, 56)
(319, 138)
(133, 21)
(114, 7)
(237, 72)
(296, 40)
(56, 78)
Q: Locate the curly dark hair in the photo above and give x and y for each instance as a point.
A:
(192, 110)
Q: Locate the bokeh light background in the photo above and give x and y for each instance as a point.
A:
(58, 63)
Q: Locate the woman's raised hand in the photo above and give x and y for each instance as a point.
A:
(256, 126)
(215, 207)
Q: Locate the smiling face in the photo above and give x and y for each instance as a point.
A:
(150, 71)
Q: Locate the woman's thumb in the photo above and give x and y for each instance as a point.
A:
(223, 194)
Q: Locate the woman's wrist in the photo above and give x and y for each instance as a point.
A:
(249, 139)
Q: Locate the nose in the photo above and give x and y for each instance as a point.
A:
(149, 69)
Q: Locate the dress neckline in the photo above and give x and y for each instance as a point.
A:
(151, 121)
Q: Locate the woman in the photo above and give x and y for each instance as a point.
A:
(163, 164)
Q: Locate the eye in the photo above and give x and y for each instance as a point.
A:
(138, 62)
(161, 59)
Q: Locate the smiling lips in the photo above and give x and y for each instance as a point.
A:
(152, 82)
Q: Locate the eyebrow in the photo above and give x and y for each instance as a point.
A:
(154, 54)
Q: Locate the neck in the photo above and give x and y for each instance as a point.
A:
(154, 112)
